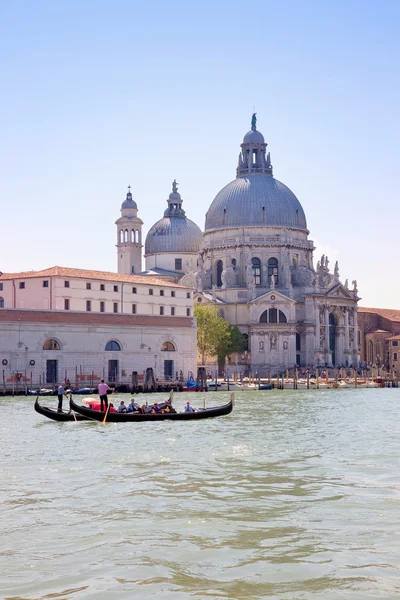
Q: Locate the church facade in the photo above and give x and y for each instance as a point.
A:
(255, 261)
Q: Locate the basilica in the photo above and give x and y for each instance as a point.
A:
(254, 261)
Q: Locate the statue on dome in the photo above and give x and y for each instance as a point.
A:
(254, 122)
(175, 186)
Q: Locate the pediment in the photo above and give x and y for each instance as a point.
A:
(273, 296)
(339, 291)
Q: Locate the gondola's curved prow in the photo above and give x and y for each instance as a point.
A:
(217, 411)
(54, 415)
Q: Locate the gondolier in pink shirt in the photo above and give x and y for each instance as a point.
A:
(103, 389)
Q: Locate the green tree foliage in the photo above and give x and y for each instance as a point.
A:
(215, 336)
(213, 332)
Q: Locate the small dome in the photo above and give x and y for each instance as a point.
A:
(129, 202)
(253, 201)
(172, 234)
(253, 137)
(174, 196)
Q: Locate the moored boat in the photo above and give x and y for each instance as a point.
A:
(116, 417)
(53, 414)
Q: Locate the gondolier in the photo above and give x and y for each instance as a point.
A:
(61, 394)
(103, 389)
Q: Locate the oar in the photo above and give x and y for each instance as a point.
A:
(105, 416)
(70, 409)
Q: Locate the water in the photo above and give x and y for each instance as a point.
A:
(294, 495)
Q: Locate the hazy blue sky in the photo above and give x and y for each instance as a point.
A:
(97, 95)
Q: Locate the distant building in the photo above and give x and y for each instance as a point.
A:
(377, 327)
(73, 323)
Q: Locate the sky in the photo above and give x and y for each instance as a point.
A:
(98, 95)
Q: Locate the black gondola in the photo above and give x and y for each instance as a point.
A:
(53, 414)
(116, 417)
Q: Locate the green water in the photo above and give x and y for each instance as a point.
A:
(294, 495)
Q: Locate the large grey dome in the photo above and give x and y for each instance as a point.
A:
(173, 234)
(255, 200)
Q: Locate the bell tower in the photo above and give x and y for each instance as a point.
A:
(129, 237)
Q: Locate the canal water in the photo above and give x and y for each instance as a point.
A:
(295, 495)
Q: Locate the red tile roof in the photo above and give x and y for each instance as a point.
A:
(394, 337)
(87, 274)
(387, 313)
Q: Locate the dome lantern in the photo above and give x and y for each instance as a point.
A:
(253, 157)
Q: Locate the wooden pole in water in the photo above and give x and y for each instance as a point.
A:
(4, 383)
(317, 378)
(308, 379)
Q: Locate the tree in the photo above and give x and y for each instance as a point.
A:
(213, 332)
(236, 342)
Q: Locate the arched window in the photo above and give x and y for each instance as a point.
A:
(246, 337)
(264, 317)
(133, 236)
(282, 317)
(220, 268)
(112, 345)
(371, 352)
(273, 316)
(273, 270)
(168, 347)
(256, 270)
(126, 235)
(52, 344)
(1, 302)
(121, 236)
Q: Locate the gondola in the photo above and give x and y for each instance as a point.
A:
(116, 417)
(53, 414)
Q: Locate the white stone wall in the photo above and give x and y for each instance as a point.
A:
(83, 349)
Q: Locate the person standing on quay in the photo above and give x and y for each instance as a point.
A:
(103, 389)
(61, 394)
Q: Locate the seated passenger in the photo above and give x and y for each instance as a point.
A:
(155, 408)
(112, 408)
(133, 406)
(189, 408)
(122, 407)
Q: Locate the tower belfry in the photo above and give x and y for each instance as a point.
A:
(129, 237)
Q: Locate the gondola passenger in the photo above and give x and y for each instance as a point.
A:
(189, 408)
(122, 408)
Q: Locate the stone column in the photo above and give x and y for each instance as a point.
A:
(346, 328)
(326, 329)
(317, 328)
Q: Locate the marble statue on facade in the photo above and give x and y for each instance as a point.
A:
(272, 282)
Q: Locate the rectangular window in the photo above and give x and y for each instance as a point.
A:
(394, 355)
(150, 292)
(66, 283)
(66, 303)
(102, 306)
(187, 294)
(46, 283)
(102, 287)
(172, 310)
(115, 288)
(161, 292)
(395, 343)
(88, 286)
(178, 264)
(134, 291)
(88, 305)
(188, 312)
(134, 309)
(22, 285)
(161, 310)
(115, 308)
(173, 294)
(1, 287)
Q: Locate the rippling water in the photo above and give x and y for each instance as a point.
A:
(294, 495)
